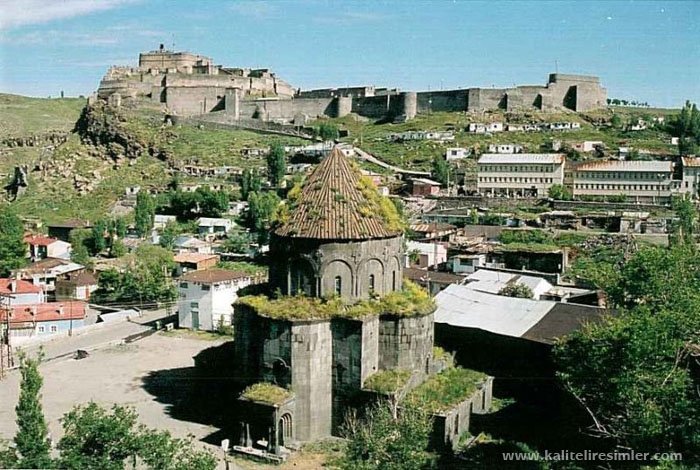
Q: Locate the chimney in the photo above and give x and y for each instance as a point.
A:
(32, 310)
(13, 285)
(60, 309)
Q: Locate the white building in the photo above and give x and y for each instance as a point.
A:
(214, 226)
(492, 282)
(207, 298)
(587, 145)
(187, 244)
(494, 127)
(429, 254)
(691, 176)
(505, 148)
(161, 220)
(476, 128)
(21, 292)
(641, 181)
(41, 247)
(467, 264)
(520, 174)
(456, 153)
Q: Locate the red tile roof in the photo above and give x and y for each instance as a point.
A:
(21, 287)
(39, 240)
(193, 257)
(332, 205)
(50, 311)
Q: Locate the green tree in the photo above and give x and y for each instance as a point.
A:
(98, 438)
(144, 213)
(633, 371)
(159, 450)
(683, 227)
(276, 165)
(13, 250)
(238, 242)
(97, 239)
(117, 249)
(686, 126)
(383, 441)
(516, 290)
(120, 227)
(250, 183)
(31, 440)
(560, 193)
(616, 121)
(261, 210)
(79, 240)
(167, 237)
(211, 203)
(327, 131)
(440, 170)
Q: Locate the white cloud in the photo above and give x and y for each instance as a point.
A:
(255, 8)
(15, 13)
(109, 36)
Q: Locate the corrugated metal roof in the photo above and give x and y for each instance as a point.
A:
(332, 205)
(461, 306)
(627, 165)
(691, 161)
(492, 282)
(522, 158)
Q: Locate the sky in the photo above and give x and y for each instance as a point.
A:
(642, 50)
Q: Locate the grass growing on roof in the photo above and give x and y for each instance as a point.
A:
(528, 248)
(411, 301)
(446, 389)
(388, 381)
(440, 354)
(265, 392)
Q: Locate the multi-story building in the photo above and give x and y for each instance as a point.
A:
(639, 181)
(691, 175)
(524, 174)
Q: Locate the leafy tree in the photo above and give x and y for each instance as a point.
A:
(560, 193)
(261, 210)
(633, 371)
(327, 131)
(98, 241)
(31, 440)
(12, 247)
(120, 227)
(167, 237)
(211, 203)
(616, 121)
(683, 229)
(144, 213)
(79, 240)
(238, 242)
(98, 438)
(440, 170)
(276, 165)
(117, 249)
(158, 449)
(516, 290)
(382, 440)
(250, 183)
(686, 126)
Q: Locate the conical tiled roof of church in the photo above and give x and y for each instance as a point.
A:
(335, 203)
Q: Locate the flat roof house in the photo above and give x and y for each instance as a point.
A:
(187, 262)
(424, 187)
(214, 226)
(207, 298)
(522, 174)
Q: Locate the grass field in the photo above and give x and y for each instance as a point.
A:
(20, 115)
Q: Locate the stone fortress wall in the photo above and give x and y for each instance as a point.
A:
(189, 85)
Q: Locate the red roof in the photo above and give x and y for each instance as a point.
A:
(51, 311)
(40, 240)
(21, 287)
(193, 257)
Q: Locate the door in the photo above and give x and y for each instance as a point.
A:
(195, 319)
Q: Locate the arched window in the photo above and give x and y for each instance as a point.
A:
(371, 283)
(393, 280)
(338, 285)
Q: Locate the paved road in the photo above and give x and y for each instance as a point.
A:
(371, 158)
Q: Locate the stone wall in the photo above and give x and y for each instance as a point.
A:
(312, 267)
(186, 101)
(406, 342)
(450, 100)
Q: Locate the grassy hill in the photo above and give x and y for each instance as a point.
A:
(21, 116)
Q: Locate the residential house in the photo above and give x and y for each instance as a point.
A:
(587, 145)
(485, 280)
(424, 187)
(189, 244)
(432, 281)
(161, 220)
(40, 319)
(187, 262)
(456, 153)
(432, 231)
(476, 128)
(211, 226)
(525, 174)
(376, 178)
(41, 247)
(494, 127)
(207, 298)
(46, 272)
(467, 264)
(505, 148)
(21, 292)
(63, 230)
(425, 255)
(637, 180)
(77, 285)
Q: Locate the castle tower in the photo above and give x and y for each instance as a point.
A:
(338, 239)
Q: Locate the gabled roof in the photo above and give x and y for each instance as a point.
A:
(55, 266)
(21, 287)
(194, 257)
(334, 204)
(49, 311)
(40, 240)
(212, 276)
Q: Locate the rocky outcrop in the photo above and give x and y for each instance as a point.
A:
(19, 183)
(104, 126)
(46, 139)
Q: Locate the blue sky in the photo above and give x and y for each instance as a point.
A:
(648, 51)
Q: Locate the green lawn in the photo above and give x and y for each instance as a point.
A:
(20, 115)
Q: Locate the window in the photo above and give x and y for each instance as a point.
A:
(183, 285)
(54, 328)
(194, 305)
(338, 285)
(393, 280)
(206, 287)
(42, 329)
(371, 283)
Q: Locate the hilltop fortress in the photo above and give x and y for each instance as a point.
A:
(191, 85)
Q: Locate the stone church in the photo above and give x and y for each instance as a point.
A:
(337, 313)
